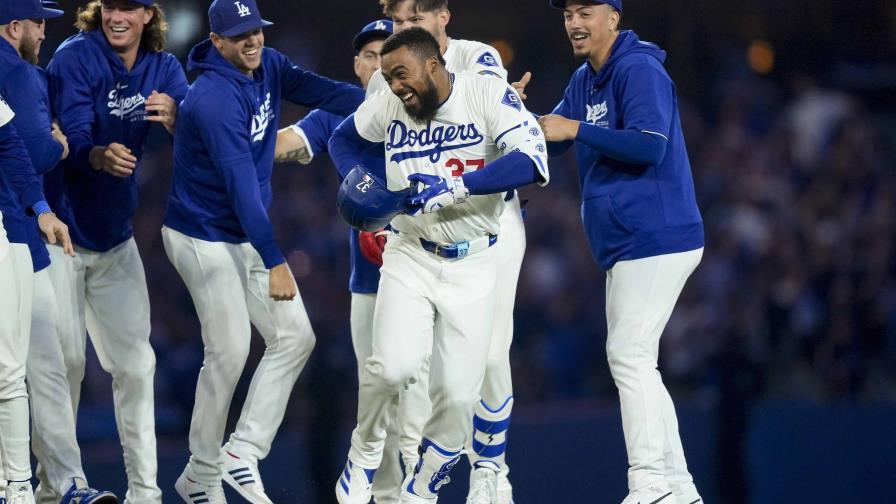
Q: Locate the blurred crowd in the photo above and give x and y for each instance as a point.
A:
(795, 297)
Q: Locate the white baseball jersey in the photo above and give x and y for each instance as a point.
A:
(482, 119)
(6, 115)
(460, 56)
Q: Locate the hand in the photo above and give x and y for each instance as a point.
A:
(165, 110)
(114, 159)
(520, 85)
(439, 192)
(372, 245)
(558, 128)
(282, 287)
(59, 136)
(56, 231)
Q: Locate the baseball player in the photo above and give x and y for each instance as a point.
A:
(488, 477)
(218, 236)
(24, 86)
(108, 84)
(301, 142)
(438, 284)
(641, 220)
(20, 192)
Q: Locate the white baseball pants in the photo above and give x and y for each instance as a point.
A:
(16, 277)
(492, 414)
(387, 483)
(105, 293)
(424, 299)
(229, 286)
(53, 438)
(641, 295)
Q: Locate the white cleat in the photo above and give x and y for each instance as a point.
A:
(483, 486)
(657, 493)
(688, 495)
(505, 490)
(242, 475)
(194, 492)
(19, 492)
(354, 484)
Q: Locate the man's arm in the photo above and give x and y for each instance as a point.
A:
(71, 95)
(307, 138)
(311, 90)
(22, 91)
(347, 146)
(161, 106)
(16, 169)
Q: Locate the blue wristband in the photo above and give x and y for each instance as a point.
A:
(41, 207)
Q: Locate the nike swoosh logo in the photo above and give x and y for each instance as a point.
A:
(661, 498)
(696, 501)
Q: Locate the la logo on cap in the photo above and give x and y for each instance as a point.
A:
(241, 9)
(379, 25)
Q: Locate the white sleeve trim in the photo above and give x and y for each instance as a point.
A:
(655, 133)
(299, 131)
(6, 113)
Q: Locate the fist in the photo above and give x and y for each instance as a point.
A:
(372, 245)
(558, 128)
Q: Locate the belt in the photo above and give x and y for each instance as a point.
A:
(459, 250)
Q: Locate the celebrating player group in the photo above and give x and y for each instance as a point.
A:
(430, 150)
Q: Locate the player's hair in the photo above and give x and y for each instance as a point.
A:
(417, 40)
(389, 6)
(90, 17)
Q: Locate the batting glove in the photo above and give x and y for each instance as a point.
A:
(372, 245)
(439, 192)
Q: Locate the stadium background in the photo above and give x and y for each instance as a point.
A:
(781, 355)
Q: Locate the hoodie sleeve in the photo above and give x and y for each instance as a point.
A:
(15, 165)
(230, 150)
(317, 127)
(71, 94)
(175, 84)
(563, 109)
(311, 90)
(647, 98)
(22, 92)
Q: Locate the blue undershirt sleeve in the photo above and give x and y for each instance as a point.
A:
(503, 174)
(347, 147)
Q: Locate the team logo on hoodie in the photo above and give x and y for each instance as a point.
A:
(597, 113)
(261, 119)
(126, 107)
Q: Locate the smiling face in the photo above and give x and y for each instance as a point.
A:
(411, 79)
(242, 51)
(123, 24)
(591, 28)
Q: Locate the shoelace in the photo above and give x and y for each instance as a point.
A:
(481, 492)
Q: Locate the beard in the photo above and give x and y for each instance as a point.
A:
(429, 104)
(28, 48)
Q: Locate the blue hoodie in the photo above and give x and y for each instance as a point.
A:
(318, 127)
(24, 87)
(644, 208)
(98, 102)
(224, 145)
(20, 190)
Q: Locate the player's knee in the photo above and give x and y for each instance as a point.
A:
(393, 377)
(296, 343)
(229, 360)
(12, 387)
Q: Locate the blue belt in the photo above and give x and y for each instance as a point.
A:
(457, 250)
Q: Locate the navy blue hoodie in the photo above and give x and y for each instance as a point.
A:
(632, 211)
(24, 87)
(20, 190)
(224, 145)
(98, 102)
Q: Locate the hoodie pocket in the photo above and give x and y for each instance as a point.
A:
(608, 235)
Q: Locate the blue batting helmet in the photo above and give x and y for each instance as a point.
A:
(366, 203)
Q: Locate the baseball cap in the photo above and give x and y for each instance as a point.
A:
(379, 29)
(231, 18)
(616, 4)
(11, 10)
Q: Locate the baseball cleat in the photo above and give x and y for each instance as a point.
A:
(194, 492)
(19, 492)
(483, 486)
(80, 493)
(505, 490)
(354, 484)
(688, 495)
(657, 493)
(242, 475)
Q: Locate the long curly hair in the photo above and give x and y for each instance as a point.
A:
(90, 17)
